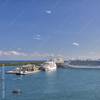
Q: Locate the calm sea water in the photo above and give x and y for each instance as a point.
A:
(64, 84)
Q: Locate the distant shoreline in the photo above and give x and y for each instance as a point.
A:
(19, 63)
(73, 63)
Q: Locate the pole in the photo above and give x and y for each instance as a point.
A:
(3, 82)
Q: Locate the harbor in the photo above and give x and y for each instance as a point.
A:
(48, 79)
(49, 50)
(29, 67)
(34, 67)
(58, 85)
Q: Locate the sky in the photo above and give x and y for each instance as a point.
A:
(33, 29)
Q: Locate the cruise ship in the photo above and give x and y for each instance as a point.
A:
(49, 66)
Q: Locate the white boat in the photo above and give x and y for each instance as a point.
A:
(25, 69)
(49, 66)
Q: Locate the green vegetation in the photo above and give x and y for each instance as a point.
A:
(19, 63)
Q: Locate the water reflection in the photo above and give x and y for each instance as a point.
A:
(50, 82)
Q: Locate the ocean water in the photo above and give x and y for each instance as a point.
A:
(63, 84)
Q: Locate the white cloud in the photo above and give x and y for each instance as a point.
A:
(37, 38)
(75, 44)
(41, 55)
(12, 53)
(25, 54)
(38, 35)
(48, 11)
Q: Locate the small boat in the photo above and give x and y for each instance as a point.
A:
(17, 91)
(49, 66)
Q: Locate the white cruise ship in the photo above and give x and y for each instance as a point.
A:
(49, 66)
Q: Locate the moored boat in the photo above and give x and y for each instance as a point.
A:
(25, 69)
(49, 66)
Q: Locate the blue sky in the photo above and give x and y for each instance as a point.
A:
(33, 28)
